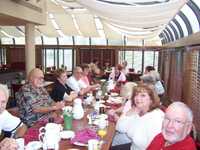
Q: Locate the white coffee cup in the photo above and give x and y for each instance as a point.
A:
(93, 144)
(49, 141)
(20, 142)
(50, 135)
(103, 123)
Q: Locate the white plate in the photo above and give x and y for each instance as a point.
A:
(114, 94)
(80, 144)
(102, 116)
(67, 134)
(102, 101)
(34, 145)
(103, 80)
(115, 100)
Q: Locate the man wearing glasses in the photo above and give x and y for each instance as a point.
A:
(176, 127)
(34, 101)
(76, 84)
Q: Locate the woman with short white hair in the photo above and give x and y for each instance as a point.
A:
(9, 124)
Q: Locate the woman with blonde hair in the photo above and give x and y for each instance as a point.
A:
(144, 120)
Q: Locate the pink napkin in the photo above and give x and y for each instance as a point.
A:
(111, 118)
(84, 135)
(113, 106)
(31, 135)
(59, 120)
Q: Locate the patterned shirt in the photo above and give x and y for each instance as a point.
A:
(29, 98)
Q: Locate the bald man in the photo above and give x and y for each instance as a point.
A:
(33, 100)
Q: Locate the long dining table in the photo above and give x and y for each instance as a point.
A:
(83, 123)
(78, 125)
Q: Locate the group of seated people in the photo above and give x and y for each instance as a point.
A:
(142, 125)
(139, 122)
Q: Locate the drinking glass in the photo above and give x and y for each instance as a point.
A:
(102, 133)
(67, 121)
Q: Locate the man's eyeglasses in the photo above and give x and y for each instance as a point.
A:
(176, 122)
(79, 72)
(40, 78)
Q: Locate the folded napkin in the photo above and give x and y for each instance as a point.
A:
(84, 135)
(113, 105)
(111, 118)
(31, 135)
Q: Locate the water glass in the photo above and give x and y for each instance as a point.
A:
(67, 121)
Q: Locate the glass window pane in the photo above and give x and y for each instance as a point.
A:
(148, 59)
(6, 40)
(20, 40)
(50, 57)
(68, 59)
(67, 40)
(137, 60)
(38, 41)
(2, 56)
(60, 55)
(191, 17)
(134, 59)
(177, 30)
(183, 26)
(133, 42)
(98, 41)
(115, 42)
(156, 60)
(50, 41)
(129, 58)
(197, 2)
(81, 40)
(173, 34)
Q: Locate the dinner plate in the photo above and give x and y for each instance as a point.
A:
(102, 116)
(113, 94)
(80, 144)
(34, 145)
(68, 134)
(103, 80)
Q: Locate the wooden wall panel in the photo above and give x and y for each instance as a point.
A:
(16, 54)
(175, 77)
(102, 55)
(181, 73)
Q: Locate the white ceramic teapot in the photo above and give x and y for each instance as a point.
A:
(78, 111)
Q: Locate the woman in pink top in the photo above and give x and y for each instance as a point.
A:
(84, 79)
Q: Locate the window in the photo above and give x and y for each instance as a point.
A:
(151, 59)
(134, 59)
(49, 40)
(98, 41)
(115, 42)
(137, 60)
(6, 41)
(79, 40)
(50, 57)
(68, 59)
(58, 58)
(67, 40)
(2, 56)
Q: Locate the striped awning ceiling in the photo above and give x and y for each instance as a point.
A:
(137, 19)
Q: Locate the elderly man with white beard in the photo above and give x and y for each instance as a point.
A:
(176, 127)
